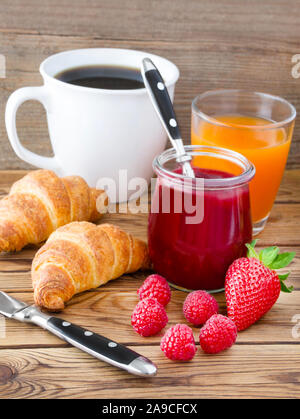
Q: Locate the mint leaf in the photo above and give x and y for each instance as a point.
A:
(268, 255)
(251, 252)
(283, 277)
(282, 260)
(284, 288)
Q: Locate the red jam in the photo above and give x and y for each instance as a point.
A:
(197, 256)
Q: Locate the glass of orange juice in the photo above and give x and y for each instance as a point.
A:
(257, 125)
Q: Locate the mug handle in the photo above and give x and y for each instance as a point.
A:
(15, 100)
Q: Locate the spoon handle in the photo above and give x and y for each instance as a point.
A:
(162, 104)
(160, 98)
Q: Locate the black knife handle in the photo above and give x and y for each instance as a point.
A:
(100, 347)
(161, 99)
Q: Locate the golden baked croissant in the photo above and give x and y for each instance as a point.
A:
(41, 202)
(80, 256)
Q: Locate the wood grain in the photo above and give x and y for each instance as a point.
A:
(93, 310)
(216, 44)
(259, 371)
(169, 20)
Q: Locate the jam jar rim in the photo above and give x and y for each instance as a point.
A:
(198, 150)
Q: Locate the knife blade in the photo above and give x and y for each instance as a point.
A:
(96, 345)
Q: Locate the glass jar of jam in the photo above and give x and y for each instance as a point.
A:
(198, 227)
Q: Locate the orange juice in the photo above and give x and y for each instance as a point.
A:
(266, 147)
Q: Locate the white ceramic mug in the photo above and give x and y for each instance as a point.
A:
(95, 133)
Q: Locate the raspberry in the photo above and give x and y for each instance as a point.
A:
(218, 333)
(199, 306)
(178, 343)
(157, 287)
(149, 317)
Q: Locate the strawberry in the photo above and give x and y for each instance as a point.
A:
(252, 286)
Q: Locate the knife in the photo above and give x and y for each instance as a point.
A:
(100, 347)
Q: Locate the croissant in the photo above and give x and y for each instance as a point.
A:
(80, 256)
(41, 202)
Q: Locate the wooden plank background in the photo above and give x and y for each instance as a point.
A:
(215, 43)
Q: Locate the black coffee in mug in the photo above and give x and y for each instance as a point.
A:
(103, 77)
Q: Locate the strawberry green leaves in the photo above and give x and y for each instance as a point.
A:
(284, 288)
(272, 259)
(251, 251)
(268, 255)
(283, 277)
(282, 260)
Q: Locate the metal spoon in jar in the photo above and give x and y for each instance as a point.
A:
(162, 104)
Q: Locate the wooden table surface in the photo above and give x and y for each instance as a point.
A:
(265, 361)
